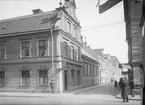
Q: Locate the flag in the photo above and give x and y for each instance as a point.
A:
(107, 5)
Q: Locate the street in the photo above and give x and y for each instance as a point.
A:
(102, 95)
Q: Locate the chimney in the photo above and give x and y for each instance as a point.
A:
(37, 11)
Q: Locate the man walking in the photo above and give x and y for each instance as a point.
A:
(52, 84)
(125, 90)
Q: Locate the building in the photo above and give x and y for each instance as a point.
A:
(90, 67)
(134, 17)
(38, 47)
(108, 67)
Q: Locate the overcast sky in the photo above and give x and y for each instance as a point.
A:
(105, 30)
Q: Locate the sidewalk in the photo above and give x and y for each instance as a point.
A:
(24, 94)
(136, 97)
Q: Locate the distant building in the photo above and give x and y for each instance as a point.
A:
(108, 67)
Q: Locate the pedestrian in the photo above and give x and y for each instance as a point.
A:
(121, 85)
(131, 88)
(125, 94)
(52, 85)
(115, 84)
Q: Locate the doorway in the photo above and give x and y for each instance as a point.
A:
(65, 81)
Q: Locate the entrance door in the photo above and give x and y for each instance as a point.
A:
(65, 80)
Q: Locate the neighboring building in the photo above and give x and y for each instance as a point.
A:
(107, 69)
(90, 67)
(134, 17)
(28, 62)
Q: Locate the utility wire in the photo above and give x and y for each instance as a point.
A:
(105, 25)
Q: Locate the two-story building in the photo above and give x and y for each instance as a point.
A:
(41, 46)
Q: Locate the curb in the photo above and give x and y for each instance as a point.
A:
(84, 89)
(21, 94)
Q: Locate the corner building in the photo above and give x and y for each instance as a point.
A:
(31, 45)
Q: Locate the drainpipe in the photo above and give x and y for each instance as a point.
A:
(52, 50)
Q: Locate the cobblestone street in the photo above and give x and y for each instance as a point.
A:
(101, 95)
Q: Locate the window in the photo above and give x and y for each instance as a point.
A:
(43, 77)
(43, 48)
(65, 49)
(73, 77)
(68, 27)
(72, 73)
(25, 78)
(88, 69)
(78, 77)
(78, 54)
(25, 46)
(2, 77)
(75, 32)
(2, 51)
(72, 52)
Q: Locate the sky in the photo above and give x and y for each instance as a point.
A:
(106, 30)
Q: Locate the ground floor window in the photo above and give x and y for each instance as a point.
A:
(73, 77)
(43, 77)
(2, 77)
(78, 77)
(25, 78)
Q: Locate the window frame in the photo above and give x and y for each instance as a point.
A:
(28, 84)
(43, 84)
(72, 52)
(4, 79)
(66, 48)
(21, 49)
(3, 51)
(38, 55)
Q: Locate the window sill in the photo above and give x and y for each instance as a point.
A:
(25, 86)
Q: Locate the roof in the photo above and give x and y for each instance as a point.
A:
(45, 20)
(90, 53)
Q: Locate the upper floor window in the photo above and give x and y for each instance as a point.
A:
(68, 27)
(65, 49)
(75, 32)
(2, 51)
(72, 52)
(2, 77)
(78, 54)
(25, 49)
(43, 48)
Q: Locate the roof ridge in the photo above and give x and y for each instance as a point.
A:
(27, 16)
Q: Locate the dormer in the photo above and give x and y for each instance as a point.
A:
(71, 6)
